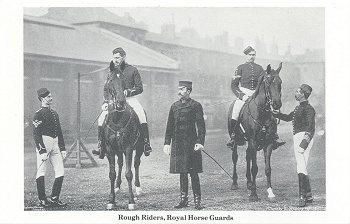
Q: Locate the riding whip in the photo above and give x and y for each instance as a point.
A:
(92, 124)
(217, 163)
(48, 155)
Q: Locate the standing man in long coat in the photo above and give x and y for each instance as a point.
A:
(185, 151)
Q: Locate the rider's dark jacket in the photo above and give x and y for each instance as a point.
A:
(46, 122)
(131, 77)
(247, 75)
(303, 118)
(184, 118)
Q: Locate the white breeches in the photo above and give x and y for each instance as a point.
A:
(301, 156)
(136, 106)
(55, 158)
(239, 103)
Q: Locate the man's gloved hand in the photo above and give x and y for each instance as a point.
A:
(167, 149)
(64, 154)
(43, 156)
(198, 147)
(303, 144)
(245, 98)
(104, 106)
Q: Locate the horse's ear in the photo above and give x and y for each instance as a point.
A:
(268, 69)
(279, 68)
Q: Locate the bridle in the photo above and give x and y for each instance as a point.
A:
(268, 104)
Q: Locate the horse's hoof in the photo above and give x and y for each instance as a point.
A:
(116, 190)
(138, 191)
(131, 206)
(234, 187)
(110, 206)
(135, 198)
(249, 185)
(272, 199)
(253, 198)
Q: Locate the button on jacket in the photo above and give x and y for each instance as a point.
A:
(46, 122)
(181, 132)
(247, 75)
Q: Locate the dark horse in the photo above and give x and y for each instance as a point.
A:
(259, 128)
(121, 136)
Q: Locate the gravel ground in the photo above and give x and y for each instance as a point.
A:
(87, 188)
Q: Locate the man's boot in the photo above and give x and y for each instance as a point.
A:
(40, 185)
(302, 190)
(196, 188)
(98, 151)
(183, 191)
(277, 143)
(309, 198)
(147, 145)
(56, 191)
(231, 142)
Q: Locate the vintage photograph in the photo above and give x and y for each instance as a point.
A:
(174, 109)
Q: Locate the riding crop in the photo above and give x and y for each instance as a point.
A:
(217, 163)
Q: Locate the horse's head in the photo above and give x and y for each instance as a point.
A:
(273, 83)
(116, 89)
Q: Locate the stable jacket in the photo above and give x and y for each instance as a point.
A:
(181, 133)
(303, 118)
(247, 75)
(131, 77)
(46, 122)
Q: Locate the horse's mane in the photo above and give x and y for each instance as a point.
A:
(260, 80)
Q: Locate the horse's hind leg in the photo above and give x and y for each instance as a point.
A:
(137, 162)
(128, 176)
(267, 155)
(234, 185)
(120, 168)
(112, 177)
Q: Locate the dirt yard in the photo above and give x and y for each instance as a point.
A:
(87, 188)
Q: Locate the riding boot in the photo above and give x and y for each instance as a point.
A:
(98, 151)
(56, 191)
(147, 145)
(183, 191)
(302, 190)
(231, 142)
(309, 198)
(40, 185)
(277, 143)
(196, 188)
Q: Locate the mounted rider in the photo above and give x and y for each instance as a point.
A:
(133, 87)
(243, 85)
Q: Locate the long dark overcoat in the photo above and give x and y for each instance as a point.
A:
(184, 118)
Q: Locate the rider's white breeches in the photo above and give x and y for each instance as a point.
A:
(136, 106)
(55, 158)
(301, 156)
(239, 103)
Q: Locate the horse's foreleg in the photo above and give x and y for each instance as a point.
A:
(248, 173)
(267, 155)
(137, 162)
(253, 196)
(120, 168)
(234, 185)
(112, 177)
(128, 176)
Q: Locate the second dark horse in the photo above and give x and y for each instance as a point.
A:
(259, 127)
